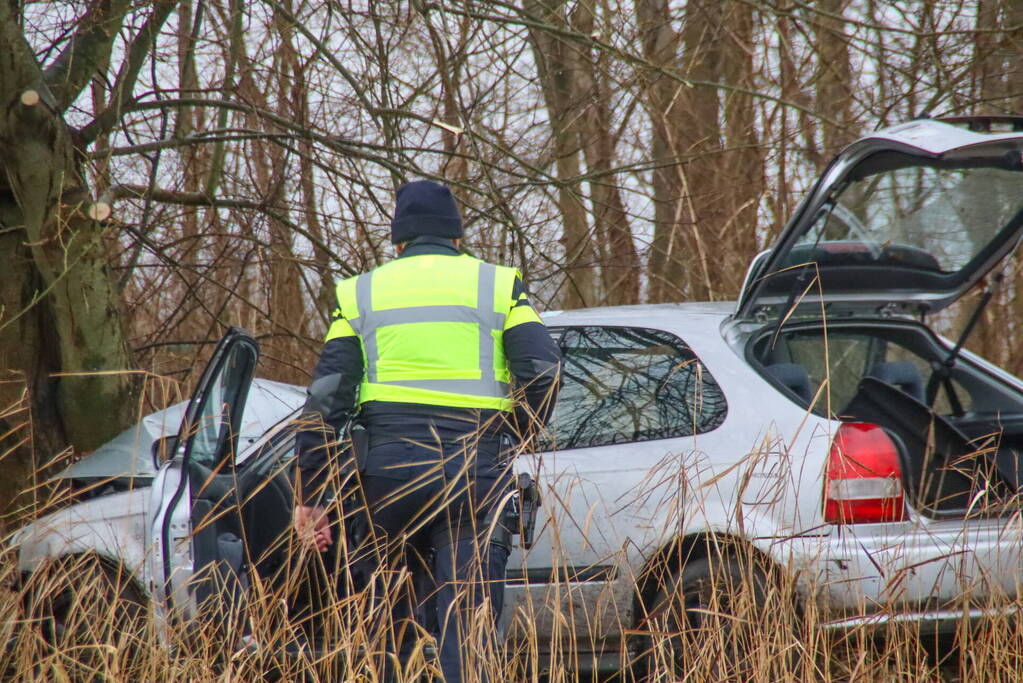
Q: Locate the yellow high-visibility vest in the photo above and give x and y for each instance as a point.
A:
(431, 330)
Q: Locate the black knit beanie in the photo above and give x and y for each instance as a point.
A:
(424, 207)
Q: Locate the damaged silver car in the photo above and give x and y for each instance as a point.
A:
(819, 425)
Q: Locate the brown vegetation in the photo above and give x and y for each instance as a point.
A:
(248, 151)
(247, 154)
(82, 619)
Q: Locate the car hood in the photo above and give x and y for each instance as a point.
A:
(129, 454)
(909, 217)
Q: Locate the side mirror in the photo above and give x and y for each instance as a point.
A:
(163, 448)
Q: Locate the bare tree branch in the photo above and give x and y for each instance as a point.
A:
(204, 138)
(87, 52)
(136, 55)
(125, 191)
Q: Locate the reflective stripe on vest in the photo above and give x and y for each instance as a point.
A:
(486, 391)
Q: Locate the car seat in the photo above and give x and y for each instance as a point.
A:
(793, 377)
(902, 374)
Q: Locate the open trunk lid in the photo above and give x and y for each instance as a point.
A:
(910, 217)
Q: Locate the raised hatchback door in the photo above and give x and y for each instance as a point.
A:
(912, 216)
(184, 543)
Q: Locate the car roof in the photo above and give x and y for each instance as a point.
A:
(656, 315)
(938, 136)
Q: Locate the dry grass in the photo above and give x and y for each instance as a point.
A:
(301, 623)
(757, 628)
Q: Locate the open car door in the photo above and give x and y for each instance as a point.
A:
(196, 552)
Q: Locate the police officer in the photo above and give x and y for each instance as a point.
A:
(447, 362)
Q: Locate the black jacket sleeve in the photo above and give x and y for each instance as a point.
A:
(330, 402)
(535, 363)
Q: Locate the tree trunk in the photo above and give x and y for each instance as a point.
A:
(62, 328)
(688, 210)
(699, 142)
(60, 321)
(323, 294)
(834, 78)
(660, 45)
(742, 163)
(28, 359)
(619, 262)
(269, 165)
(783, 202)
(555, 61)
(1013, 51)
(60, 259)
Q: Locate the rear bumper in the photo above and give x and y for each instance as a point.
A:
(894, 574)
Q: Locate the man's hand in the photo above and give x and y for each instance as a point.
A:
(312, 526)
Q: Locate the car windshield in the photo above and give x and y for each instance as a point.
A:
(902, 211)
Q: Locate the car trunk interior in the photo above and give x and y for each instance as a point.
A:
(959, 429)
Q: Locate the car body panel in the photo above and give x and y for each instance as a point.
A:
(776, 448)
(940, 136)
(918, 566)
(169, 560)
(113, 527)
(608, 509)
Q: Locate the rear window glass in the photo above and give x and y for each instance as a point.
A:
(934, 215)
(625, 384)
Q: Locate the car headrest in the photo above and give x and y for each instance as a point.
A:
(903, 374)
(794, 377)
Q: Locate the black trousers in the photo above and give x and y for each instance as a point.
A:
(430, 509)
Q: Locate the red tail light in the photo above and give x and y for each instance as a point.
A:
(864, 477)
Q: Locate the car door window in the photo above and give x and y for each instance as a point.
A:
(624, 384)
(275, 456)
(213, 439)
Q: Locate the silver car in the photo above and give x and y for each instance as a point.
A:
(818, 426)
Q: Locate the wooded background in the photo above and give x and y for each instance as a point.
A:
(615, 151)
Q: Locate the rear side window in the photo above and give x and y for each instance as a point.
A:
(849, 356)
(625, 384)
(843, 357)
